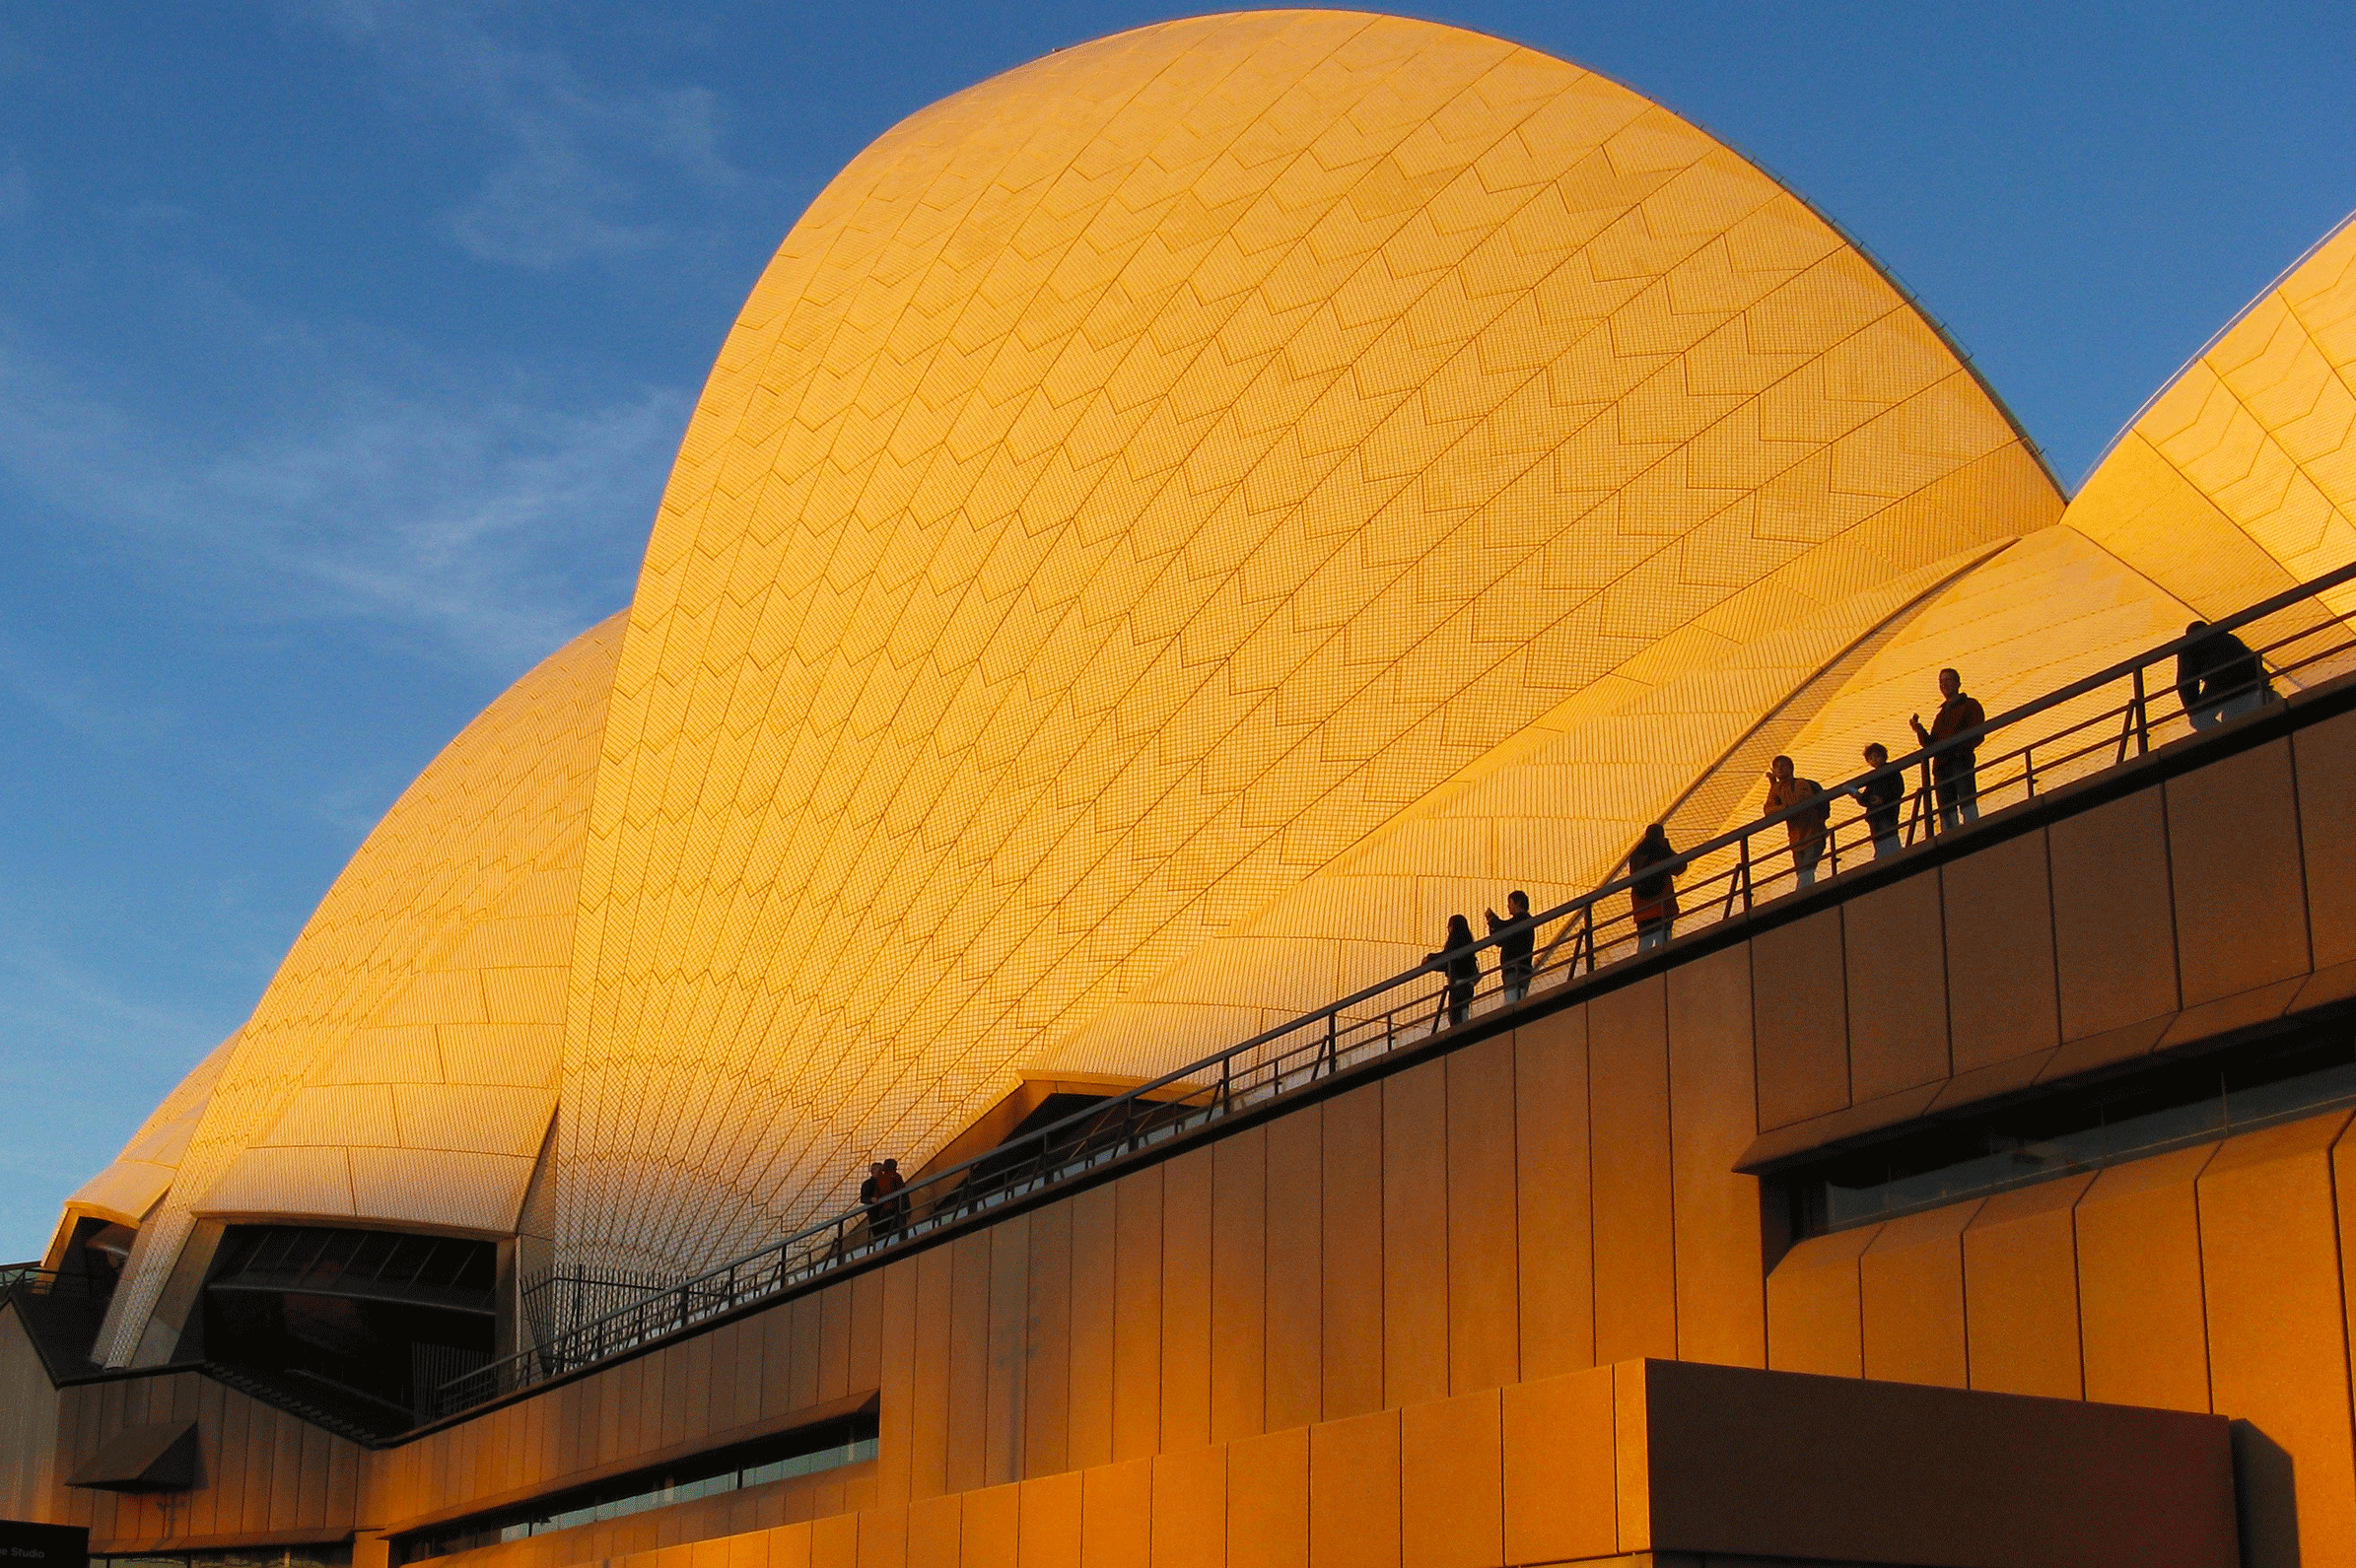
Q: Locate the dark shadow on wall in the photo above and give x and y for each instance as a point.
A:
(2265, 1499)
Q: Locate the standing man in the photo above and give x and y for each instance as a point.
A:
(1515, 936)
(1807, 828)
(1881, 795)
(1955, 771)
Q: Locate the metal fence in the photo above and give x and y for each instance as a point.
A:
(2089, 725)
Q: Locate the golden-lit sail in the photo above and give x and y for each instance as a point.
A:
(1138, 480)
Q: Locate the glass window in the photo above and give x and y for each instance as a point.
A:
(803, 1452)
(2165, 1106)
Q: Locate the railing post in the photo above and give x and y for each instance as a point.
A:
(1333, 1062)
(2029, 767)
(2144, 726)
(1743, 874)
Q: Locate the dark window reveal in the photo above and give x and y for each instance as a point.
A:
(334, 1555)
(2166, 1106)
(361, 1324)
(804, 1451)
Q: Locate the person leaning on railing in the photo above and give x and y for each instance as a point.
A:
(2218, 677)
(1652, 898)
(1882, 793)
(1461, 964)
(891, 1199)
(1954, 770)
(1806, 830)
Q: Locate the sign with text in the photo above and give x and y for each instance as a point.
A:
(26, 1545)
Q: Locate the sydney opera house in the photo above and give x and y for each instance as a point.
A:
(1172, 525)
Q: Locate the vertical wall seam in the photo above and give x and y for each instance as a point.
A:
(2306, 913)
(2200, 1270)
(2340, 1256)
(1848, 1022)
(2045, 855)
(2176, 923)
(1946, 972)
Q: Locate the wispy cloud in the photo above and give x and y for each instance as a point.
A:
(579, 169)
(71, 699)
(496, 525)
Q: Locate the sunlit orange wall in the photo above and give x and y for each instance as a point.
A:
(1561, 1195)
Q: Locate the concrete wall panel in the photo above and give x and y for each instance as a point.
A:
(1895, 958)
(928, 1442)
(2139, 1285)
(966, 1464)
(1137, 1315)
(1800, 1019)
(1354, 1492)
(1186, 1227)
(2326, 774)
(1267, 1500)
(895, 1406)
(1550, 1137)
(1452, 1512)
(2233, 843)
(2277, 1336)
(1295, 1377)
(1048, 1534)
(1190, 1509)
(1415, 1235)
(1911, 1298)
(1239, 1285)
(2021, 1291)
(1814, 1317)
(935, 1529)
(1483, 1316)
(1006, 1390)
(1117, 1515)
(2113, 939)
(991, 1526)
(1353, 1370)
(1047, 1390)
(1635, 1262)
(1721, 1294)
(1096, 1278)
(1559, 1473)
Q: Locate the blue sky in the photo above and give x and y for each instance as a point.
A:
(344, 348)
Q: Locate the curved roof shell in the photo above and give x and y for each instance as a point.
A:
(401, 1068)
(127, 1190)
(2235, 482)
(2239, 478)
(1171, 524)
(1144, 480)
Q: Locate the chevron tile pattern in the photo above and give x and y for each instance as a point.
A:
(2239, 477)
(1137, 482)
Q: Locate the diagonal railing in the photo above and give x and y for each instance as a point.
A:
(2080, 729)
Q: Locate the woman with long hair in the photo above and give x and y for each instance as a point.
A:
(1462, 964)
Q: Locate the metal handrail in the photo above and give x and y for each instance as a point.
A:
(1405, 1008)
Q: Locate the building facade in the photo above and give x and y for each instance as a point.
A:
(1172, 525)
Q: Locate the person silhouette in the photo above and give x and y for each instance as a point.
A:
(1462, 966)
